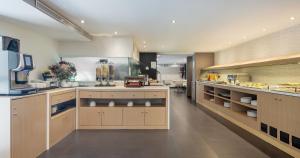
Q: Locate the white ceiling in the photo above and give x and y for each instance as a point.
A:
(201, 25)
(20, 13)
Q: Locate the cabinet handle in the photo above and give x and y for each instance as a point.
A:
(15, 114)
(276, 99)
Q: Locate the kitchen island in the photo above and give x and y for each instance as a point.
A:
(128, 109)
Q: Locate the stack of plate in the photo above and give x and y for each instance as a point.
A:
(246, 100)
(227, 104)
(254, 102)
(252, 113)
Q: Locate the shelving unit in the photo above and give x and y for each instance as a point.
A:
(277, 121)
(237, 109)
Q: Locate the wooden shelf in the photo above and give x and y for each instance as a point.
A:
(223, 98)
(291, 59)
(209, 94)
(125, 106)
(244, 104)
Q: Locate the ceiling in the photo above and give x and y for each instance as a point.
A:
(20, 13)
(200, 25)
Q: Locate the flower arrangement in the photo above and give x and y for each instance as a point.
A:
(63, 70)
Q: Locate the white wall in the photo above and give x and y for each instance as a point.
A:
(169, 73)
(98, 47)
(281, 43)
(42, 48)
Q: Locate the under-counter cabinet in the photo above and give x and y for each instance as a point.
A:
(95, 116)
(62, 121)
(121, 116)
(278, 119)
(28, 126)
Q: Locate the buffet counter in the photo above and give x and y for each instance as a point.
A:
(49, 116)
(270, 115)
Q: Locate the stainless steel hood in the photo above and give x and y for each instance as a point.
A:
(40, 5)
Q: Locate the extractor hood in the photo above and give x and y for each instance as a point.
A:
(40, 5)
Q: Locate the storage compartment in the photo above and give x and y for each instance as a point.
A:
(264, 127)
(155, 116)
(134, 116)
(209, 89)
(285, 137)
(89, 116)
(273, 132)
(223, 93)
(61, 107)
(296, 142)
(111, 116)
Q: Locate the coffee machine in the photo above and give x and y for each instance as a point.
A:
(14, 68)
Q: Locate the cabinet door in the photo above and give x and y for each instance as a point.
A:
(112, 116)
(155, 116)
(61, 126)
(134, 116)
(90, 116)
(28, 126)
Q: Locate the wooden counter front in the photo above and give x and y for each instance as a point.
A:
(121, 116)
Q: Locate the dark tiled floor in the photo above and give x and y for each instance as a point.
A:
(193, 134)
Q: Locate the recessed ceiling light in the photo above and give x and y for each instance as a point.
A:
(292, 18)
(145, 46)
(82, 21)
(264, 29)
(245, 37)
(115, 32)
(173, 21)
(144, 42)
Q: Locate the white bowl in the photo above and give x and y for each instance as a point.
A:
(130, 103)
(246, 100)
(227, 105)
(252, 113)
(111, 104)
(147, 103)
(92, 103)
(254, 102)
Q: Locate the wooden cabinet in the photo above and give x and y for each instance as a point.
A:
(90, 116)
(158, 94)
(28, 126)
(281, 112)
(62, 97)
(134, 116)
(155, 116)
(111, 116)
(62, 125)
(90, 94)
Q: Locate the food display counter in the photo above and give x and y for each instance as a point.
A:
(272, 116)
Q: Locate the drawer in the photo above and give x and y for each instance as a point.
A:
(158, 94)
(60, 98)
(89, 94)
(123, 95)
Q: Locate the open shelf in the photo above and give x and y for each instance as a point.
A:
(123, 102)
(291, 59)
(245, 105)
(242, 110)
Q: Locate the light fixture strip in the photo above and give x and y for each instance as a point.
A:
(58, 17)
